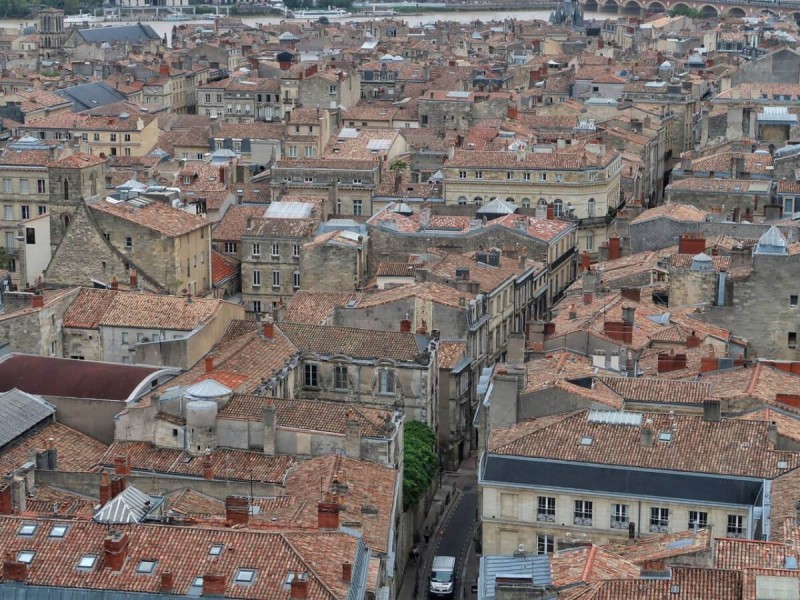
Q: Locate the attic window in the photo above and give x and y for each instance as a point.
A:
(244, 576)
(87, 561)
(215, 550)
(28, 529)
(586, 441)
(665, 436)
(58, 531)
(146, 566)
(25, 556)
(782, 464)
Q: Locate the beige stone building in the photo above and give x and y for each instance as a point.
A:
(580, 181)
(604, 476)
(240, 100)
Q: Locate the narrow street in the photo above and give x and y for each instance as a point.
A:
(455, 538)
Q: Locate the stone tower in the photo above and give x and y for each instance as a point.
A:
(51, 30)
(75, 177)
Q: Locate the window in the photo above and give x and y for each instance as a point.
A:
(146, 566)
(526, 176)
(619, 516)
(340, 377)
(256, 278)
(124, 337)
(127, 137)
(230, 247)
(8, 186)
(386, 381)
(26, 211)
(42, 210)
(295, 250)
(735, 526)
(462, 174)
(332, 90)
(357, 181)
(127, 151)
(215, 550)
(24, 186)
(25, 556)
(256, 306)
(95, 137)
(545, 544)
(590, 241)
(275, 250)
(27, 529)
(526, 203)
(310, 375)
(219, 98)
(793, 301)
(256, 249)
(558, 208)
(542, 176)
(8, 213)
(659, 519)
(244, 577)
(547, 509)
(87, 561)
(590, 208)
(478, 201)
(462, 200)
(698, 520)
(478, 174)
(292, 151)
(559, 178)
(113, 137)
(41, 186)
(509, 175)
(237, 145)
(583, 513)
(357, 207)
(58, 531)
(129, 242)
(791, 340)
(296, 280)
(276, 278)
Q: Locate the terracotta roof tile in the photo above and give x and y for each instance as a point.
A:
(357, 343)
(741, 554)
(223, 267)
(675, 212)
(661, 547)
(642, 389)
(234, 223)
(316, 307)
(430, 291)
(450, 353)
(159, 217)
(587, 564)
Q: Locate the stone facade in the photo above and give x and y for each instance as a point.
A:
(35, 331)
(333, 266)
(70, 181)
(330, 89)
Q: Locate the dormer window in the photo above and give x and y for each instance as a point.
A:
(187, 179)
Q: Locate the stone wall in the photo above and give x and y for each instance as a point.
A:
(332, 267)
(656, 234)
(691, 287)
(37, 332)
(93, 417)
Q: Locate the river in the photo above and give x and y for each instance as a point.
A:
(162, 27)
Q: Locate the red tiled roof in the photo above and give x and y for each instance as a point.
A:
(223, 267)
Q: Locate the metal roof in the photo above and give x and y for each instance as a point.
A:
(497, 207)
(533, 569)
(290, 210)
(772, 242)
(129, 506)
(777, 114)
(615, 418)
(19, 412)
(123, 33)
(91, 95)
(208, 388)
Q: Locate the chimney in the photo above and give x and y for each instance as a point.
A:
(628, 314)
(586, 261)
(37, 301)
(208, 467)
(614, 248)
(299, 587)
(670, 362)
(405, 325)
(573, 313)
(268, 328)
(268, 418)
(772, 433)
(134, 280)
(328, 513)
(587, 298)
(163, 70)
(647, 435)
(631, 532)
(209, 363)
(692, 243)
(551, 212)
(213, 585)
(347, 571)
(167, 582)
(122, 464)
(105, 488)
(632, 294)
(6, 500)
(115, 283)
(14, 570)
(118, 485)
(352, 435)
(237, 510)
(222, 174)
(115, 550)
(708, 363)
(693, 340)
(712, 410)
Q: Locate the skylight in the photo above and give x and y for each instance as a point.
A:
(146, 566)
(665, 436)
(58, 531)
(586, 441)
(87, 561)
(245, 576)
(26, 556)
(215, 550)
(28, 529)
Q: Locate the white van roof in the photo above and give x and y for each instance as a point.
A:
(443, 563)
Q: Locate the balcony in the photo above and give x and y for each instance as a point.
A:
(546, 517)
(618, 524)
(658, 528)
(583, 521)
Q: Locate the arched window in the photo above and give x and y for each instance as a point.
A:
(542, 202)
(590, 207)
(478, 200)
(558, 207)
(66, 188)
(511, 200)
(462, 200)
(526, 203)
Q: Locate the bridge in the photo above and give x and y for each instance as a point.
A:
(706, 8)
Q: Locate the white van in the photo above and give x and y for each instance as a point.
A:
(443, 577)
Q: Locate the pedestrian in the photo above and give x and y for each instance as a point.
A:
(415, 555)
(427, 534)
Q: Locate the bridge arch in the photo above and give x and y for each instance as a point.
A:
(736, 12)
(656, 7)
(631, 7)
(680, 6)
(796, 17)
(609, 6)
(590, 6)
(709, 11)
(766, 12)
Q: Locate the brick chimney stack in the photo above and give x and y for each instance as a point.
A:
(122, 464)
(14, 570)
(209, 360)
(167, 582)
(115, 550)
(237, 510)
(405, 325)
(115, 283)
(208, 467)
(6, 499)
(134, 279)
(347, 571)
(299, 587)
(328, 513)
(37, 301)
(213, 585)
(268, 328)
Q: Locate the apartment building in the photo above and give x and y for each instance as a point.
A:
(606, 476)
(240, 100)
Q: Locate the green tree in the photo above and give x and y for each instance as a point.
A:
(684, 11)
(398, 165)
(419, 459)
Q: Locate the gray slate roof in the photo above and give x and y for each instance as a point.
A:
(131, 34)
(19, 412)
(91, 95)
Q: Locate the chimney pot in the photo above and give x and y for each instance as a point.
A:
(122, 464)
(347, 571)
(37, 301)
(209, 364)
(237, 510)
(268, 328)
(328, 514)
(299, 587)
(213, 585)
(14, 570)
(614, 247)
